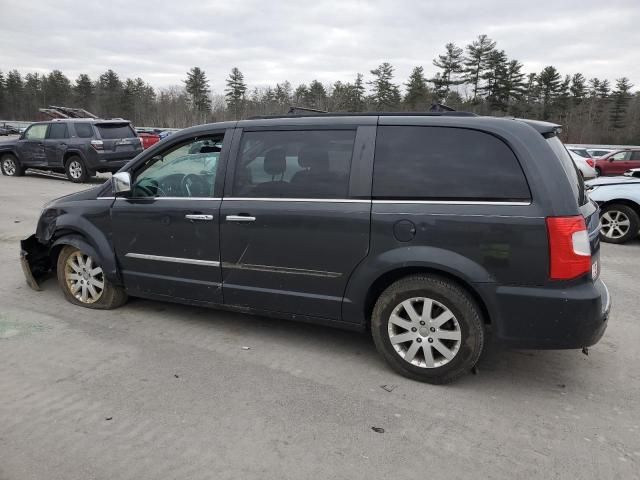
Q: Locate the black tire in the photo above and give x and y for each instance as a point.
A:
(110, 297)
(620, 213)
(10, 166)
(443, 292)
(598, 172)
(76, 170)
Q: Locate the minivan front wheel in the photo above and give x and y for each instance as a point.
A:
(83, 281)
(428, 329)
(10, 166)
(76, 170)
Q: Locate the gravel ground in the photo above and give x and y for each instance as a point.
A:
(159, 391)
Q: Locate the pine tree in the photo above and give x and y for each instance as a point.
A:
(549, 83)
(300, 94)
(578, 88)
(475, 61)
(57, 89)
(357, 95)
(451, 65)
(109, 93)
(283, 95)
(385, 94)
(495, 77)
(603, 89)
(316, 96)
(33, 93)
(417, 89)
(14, 87)
(83, 92)
(2, 94)
(621, 97)
(197, 87)
(235, 92)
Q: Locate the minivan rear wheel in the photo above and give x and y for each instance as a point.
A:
(618, 223)
(83, 281)
(428, 329)
(76, 170)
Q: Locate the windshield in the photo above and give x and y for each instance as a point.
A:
(575, 178)
(581, 151)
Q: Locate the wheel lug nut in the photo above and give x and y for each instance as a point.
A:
(430, 340)
(414, 329)
(419, 340)
(432, 329)
(421, 322)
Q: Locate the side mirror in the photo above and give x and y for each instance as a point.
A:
(121, 183)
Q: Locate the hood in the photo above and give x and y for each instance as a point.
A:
(621, 180)
(88, 194)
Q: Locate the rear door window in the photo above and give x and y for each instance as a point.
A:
(83, 130)
(112, 131)
(294, 164)
(58, 130)
(444, 163)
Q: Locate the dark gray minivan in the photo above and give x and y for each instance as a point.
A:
(433, 231)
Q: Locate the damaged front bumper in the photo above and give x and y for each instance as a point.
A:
(35, 261)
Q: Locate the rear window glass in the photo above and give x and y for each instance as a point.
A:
(577, 184)
(444, 163)
(83, 130)
(115, 131)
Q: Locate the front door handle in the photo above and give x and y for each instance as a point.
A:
(240, 218)
(197, 216)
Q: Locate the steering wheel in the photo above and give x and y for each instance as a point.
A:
(194, 185)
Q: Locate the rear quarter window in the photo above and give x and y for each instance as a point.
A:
(575, 179)
(115, 131)
(445, 163)
(83, 130)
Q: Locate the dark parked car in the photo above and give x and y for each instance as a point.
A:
(618, 162)
(78, 147)
(348, 221)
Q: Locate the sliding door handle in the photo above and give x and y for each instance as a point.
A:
(240, 218)
(194, 216)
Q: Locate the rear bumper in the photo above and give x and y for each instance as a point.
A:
(551, 318)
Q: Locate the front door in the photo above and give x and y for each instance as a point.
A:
(619, 163)
(291, 230)
(31, 146)
(166, 232)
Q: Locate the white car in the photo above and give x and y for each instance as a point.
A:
(585, 165)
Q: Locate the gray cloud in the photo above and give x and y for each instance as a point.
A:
(302, 40)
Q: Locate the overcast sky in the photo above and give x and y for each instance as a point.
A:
(276, 40)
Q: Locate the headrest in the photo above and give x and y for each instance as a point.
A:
(275, 162)
(314, 158)
(210, 149)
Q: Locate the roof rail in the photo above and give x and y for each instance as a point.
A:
(445, 113)
(294, 109)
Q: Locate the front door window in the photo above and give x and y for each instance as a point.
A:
(186, 170)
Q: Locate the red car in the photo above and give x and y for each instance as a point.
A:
(148, 139)
(618, 162)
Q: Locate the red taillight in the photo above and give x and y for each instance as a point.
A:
(590, 162)
(569, 248)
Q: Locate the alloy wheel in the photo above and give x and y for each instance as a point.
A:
(9, 165)
(84, 279)
(75, 169)
(614, 224)
(424, 332)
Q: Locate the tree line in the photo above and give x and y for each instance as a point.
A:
(479, 77)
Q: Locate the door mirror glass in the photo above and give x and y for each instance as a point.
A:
(121, 183)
